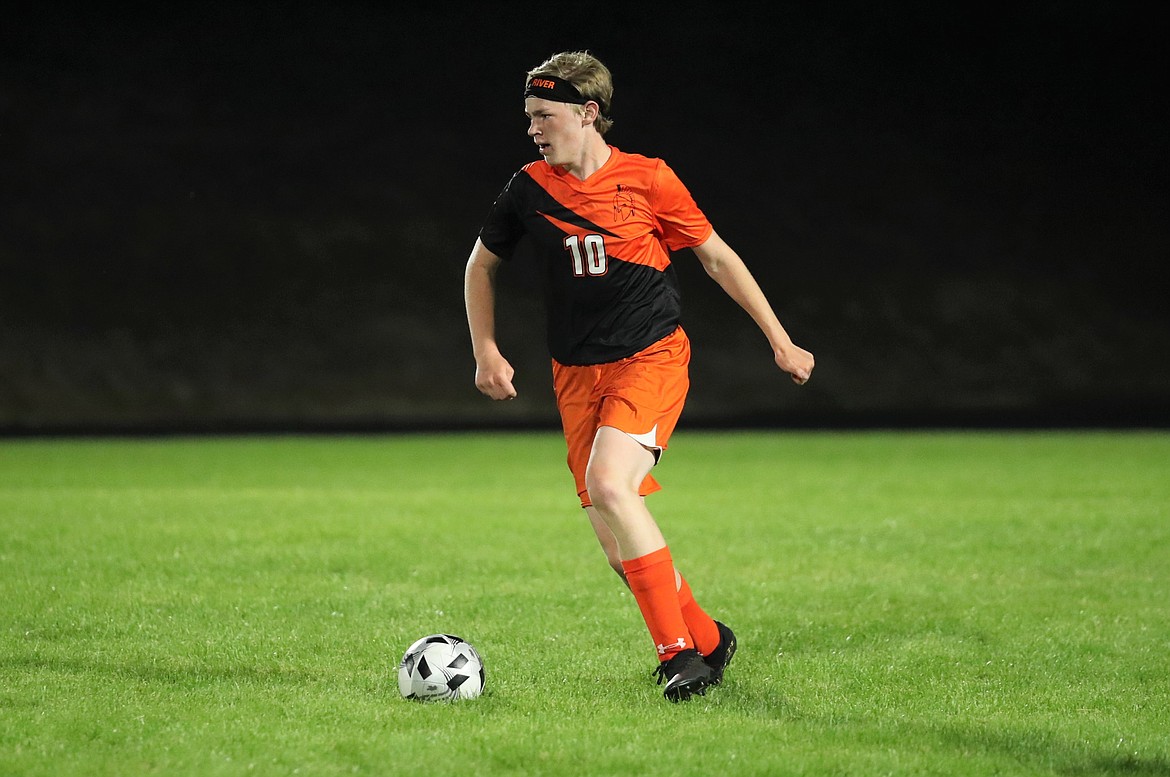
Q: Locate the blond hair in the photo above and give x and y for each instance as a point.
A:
(585, 72)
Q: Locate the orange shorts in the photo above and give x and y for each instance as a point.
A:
(641, 395)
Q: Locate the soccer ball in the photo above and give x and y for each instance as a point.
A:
(441, 667)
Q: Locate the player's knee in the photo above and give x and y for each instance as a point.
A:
(608, 491)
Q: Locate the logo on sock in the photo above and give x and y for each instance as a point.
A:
(681, 645)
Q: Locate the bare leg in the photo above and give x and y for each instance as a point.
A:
(617, 466)
(608, 543)
(610, 547)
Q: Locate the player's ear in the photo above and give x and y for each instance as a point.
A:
(590, 113)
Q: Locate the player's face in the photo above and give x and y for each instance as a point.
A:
(557, 129)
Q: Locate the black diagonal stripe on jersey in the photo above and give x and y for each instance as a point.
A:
(547, 205)
(590, 320)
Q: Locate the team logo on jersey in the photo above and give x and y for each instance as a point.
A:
(623, 204)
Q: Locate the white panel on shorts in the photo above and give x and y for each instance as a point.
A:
(649, 441)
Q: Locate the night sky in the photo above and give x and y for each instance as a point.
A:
(257, 216)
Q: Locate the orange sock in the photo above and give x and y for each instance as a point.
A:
(651, 579)
(699, 623)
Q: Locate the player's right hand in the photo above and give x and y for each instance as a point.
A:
(493, 377)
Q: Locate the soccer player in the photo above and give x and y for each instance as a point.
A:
(604, 223)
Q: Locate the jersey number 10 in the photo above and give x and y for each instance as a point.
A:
(588, 255)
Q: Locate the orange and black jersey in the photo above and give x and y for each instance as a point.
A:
(605, 245)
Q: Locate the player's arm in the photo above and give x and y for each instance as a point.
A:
(493, 373)
(724, 265)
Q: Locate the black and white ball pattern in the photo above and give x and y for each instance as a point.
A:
(441, 667)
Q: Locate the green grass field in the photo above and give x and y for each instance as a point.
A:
(906, 603)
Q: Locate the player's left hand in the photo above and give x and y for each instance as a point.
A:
(797, 362)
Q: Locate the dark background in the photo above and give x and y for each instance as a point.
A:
(257, 216)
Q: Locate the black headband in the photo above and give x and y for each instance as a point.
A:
(553, 88)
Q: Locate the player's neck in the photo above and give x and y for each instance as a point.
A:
(594, 155)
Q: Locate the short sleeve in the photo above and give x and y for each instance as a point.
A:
(503, 228)
(683, 225)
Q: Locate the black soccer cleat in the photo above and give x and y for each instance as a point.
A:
(686, 674)
(721, 656)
